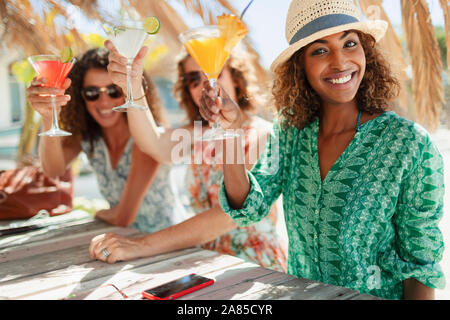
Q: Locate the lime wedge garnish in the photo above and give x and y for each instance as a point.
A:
(107, 29)
(66, 54)
(152, 25)
(118, 30)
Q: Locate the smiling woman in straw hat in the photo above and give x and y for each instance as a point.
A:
(362, 187)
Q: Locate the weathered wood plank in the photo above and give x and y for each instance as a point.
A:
(55, 254)
(69, 274)
(241, 276)
(54, 230)
(208, 265)
(73, 215)
(250, 281)
(365, 297)
(37, 264)
(75, 235)
(134, 281)
(300, 289)
(54, 263)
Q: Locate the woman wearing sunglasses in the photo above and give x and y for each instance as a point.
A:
(135, 185)
(209, 227)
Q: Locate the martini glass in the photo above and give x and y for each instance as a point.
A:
(208, 47)
(51, 67)
(128, 37)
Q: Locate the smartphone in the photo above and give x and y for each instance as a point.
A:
(177, 288)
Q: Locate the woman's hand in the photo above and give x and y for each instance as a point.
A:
(40, 99)
(222, 109)
(120, 248)
(113, 216)
(117, 68)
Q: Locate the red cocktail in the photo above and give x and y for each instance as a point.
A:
(55, 71)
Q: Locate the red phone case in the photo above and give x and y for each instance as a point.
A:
(178, 294)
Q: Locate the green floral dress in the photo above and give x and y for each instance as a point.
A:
(372, 222)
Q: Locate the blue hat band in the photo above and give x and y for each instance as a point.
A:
(322, 23)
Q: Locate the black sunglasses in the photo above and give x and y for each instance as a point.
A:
(193, 77)
(92, 93)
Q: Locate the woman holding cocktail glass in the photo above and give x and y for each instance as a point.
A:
(362, 187)
(209, 227)
(135, 185)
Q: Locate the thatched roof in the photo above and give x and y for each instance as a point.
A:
(50, 27)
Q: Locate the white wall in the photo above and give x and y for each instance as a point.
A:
(5, 99)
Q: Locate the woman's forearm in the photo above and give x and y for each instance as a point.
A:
(197, 230)
(142, 125)
(142, 173)
(53, 157)
(415, 290)
(145, 133)
(237, 184)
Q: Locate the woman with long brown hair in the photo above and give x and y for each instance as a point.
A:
(135, 185)
(209, 227)
(362, 187)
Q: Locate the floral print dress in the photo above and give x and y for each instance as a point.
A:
(258, 243)
(160, 207)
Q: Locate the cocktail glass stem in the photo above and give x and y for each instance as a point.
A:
(213, 84)
(216, 132)
(55, 131)
(130, 99)
(129, 103)
(55, 121)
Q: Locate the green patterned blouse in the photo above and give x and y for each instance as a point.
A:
(372, 222)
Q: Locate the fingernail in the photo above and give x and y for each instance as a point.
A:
(214, 109)
(123, 60)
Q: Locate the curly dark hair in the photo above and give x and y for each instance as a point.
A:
(248, 93)
(75, 117)
(298, 104)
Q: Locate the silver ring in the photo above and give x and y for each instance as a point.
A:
(106, 253)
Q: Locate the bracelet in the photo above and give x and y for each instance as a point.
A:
(145, 88)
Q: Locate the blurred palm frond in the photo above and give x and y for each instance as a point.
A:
(392, 48)
(425, 59)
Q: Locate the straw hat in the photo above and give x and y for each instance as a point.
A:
(310, 20)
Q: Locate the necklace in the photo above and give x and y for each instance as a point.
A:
(359, 120)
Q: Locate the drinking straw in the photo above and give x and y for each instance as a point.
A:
(242, 14)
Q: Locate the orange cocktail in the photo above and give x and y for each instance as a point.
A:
(209, 53)
(210, 47)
